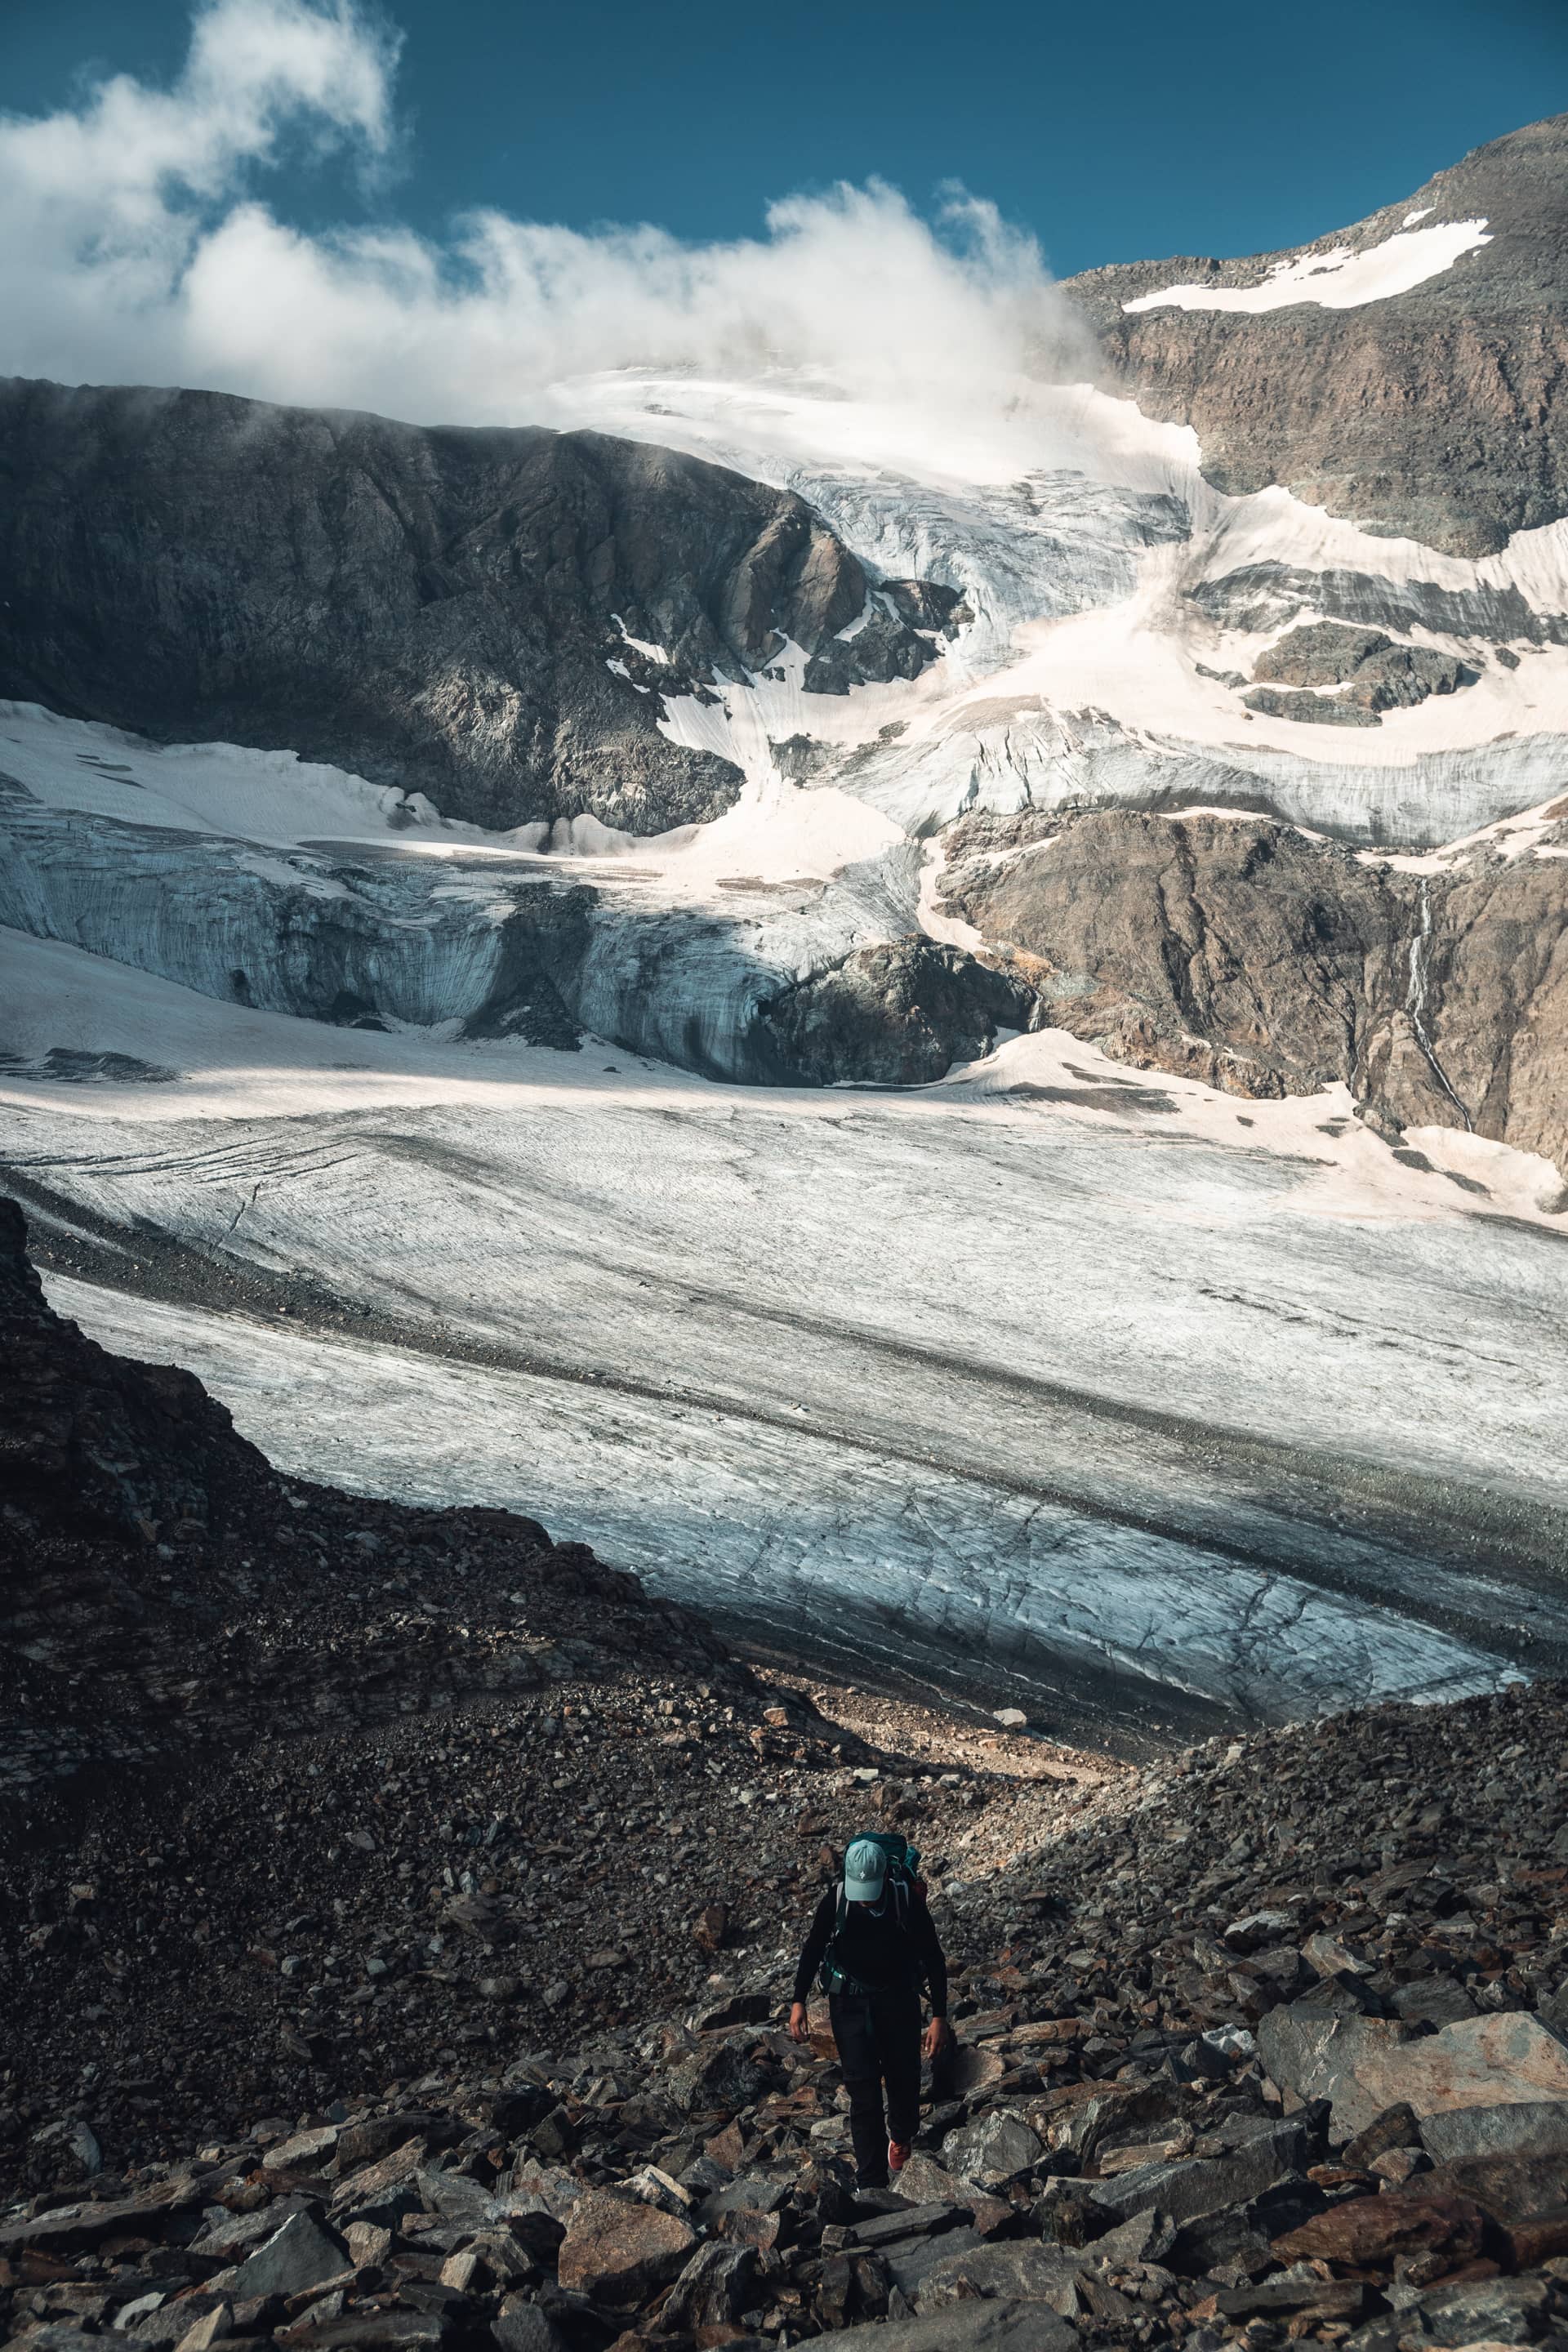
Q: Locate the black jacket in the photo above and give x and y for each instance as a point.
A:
(874, 1948)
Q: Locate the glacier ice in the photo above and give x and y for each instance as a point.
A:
(1141, 1412)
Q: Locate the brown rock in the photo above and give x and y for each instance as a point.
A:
(712, 1926)
(617, 2250)
(1370, 2232)
(1396, 2127)
(1422, 414)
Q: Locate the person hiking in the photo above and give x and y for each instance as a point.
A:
(873, 1943)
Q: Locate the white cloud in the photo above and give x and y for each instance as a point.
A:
(134, 248)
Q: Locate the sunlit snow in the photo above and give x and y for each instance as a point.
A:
(1340, 279)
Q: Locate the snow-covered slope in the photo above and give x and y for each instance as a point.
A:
(1114, 595)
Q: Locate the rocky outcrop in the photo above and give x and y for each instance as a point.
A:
(1247, 954)
(1434, 414)
(1236, 951)
(1481, 1037)
(898, 1015)
(1375, 673)
(1262, 595)
(437, 609)
(162, 1588)
(893, 642)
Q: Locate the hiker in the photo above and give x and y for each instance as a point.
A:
(873, 1943)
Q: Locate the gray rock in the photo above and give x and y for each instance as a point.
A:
(229, 2237)
(521, 2326)
(1189, 2188)
(139, 2307)
(456, 2198)
(369, 2331)
(1494, 2311)
(723, 2077)
(1310, 709)
(306, 2152)
(302, 2254)
(1431, 2001)
(750, 2192)
(1375, 673)
(909, 2222)
(1018, 2268)
(995, 2148)
(1008, 2326)
(60, 2335)
(1524, 2127)
(909, 2259)
(713, 2289)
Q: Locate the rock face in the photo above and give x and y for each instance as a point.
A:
(1435, 413)
(435, 608)
(1237, 951)
(899, 1015)
(1243, 953)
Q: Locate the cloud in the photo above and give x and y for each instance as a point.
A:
(134, 248)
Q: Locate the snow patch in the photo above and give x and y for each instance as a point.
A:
(1338, 279)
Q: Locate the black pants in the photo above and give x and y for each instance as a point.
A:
(879, 2038)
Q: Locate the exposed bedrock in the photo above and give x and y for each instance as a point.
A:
(430, 608)
(1375, 673)
(1436, 415)
(1239, 951)
(1260, 595)
(899, 1015)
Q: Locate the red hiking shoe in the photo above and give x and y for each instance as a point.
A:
(898, 2152)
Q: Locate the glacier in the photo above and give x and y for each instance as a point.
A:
(1108, 1398)
(1104, 1395)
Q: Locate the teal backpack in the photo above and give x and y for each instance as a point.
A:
(905, 1889)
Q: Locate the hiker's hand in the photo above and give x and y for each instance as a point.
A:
(797, 2025)
(937, 2034)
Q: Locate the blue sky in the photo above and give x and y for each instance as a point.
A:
(1113, 133)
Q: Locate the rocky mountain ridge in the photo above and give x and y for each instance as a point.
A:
(1433, 414)
(466, 613)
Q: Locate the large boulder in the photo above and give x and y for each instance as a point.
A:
(1019, 2268)
(1188, 2187)
(712, 2290)
(301, 2254)
(995, 2147)
(1367, 2064)
(723, 2077)
(616, 2249)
